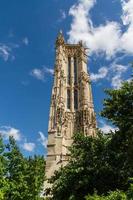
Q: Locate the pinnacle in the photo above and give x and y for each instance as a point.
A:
(60, 38)
(61, 32)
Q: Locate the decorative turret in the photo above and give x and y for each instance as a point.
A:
(60, 39)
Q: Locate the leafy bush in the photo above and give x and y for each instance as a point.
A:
(116, 195)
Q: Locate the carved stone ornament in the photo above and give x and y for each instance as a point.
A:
(60, 39)
(84, 77)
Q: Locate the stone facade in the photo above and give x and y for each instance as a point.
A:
(71, 107)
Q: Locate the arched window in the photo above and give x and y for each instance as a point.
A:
(75, 70)
(68, 99)
(76, 99)
(69, 71)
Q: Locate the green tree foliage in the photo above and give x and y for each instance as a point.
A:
(3, 180)
(16, 170)
(116, 195)
(118, 108)
(130, 191)
(20, 178)
(103, 163)
(35, 176)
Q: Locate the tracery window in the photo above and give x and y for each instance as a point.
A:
(75, 70)
(68, 99)
(69, 71)
(76, 99)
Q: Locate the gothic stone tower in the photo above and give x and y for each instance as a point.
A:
(71, 107)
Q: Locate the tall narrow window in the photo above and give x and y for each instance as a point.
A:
(75, 99)
(69, 71)
(68, 99)
(75, 70)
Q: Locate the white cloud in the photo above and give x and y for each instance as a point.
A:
(38, 74)
(102, 72)
(7, 131)
(5, 52)
(127, 17)
(116, 81)
(114, 74)
(63, 14)
(49, 71)
(80, 27)
(118, 71)
(28, 146)
(6, 49)
(105, 128)
(43, 139)
(106, 38)
(25, 41)
(96, 38)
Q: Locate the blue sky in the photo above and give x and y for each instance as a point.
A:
(28, 30)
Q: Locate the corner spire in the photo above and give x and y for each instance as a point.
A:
(61, 32)
(60, 39)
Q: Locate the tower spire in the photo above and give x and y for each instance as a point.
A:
(60, 39)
